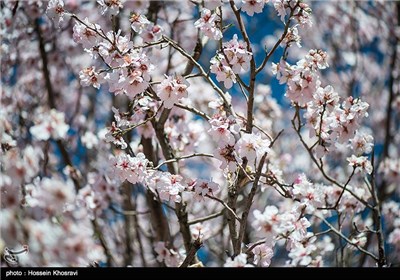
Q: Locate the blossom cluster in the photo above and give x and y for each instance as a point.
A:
(233, 60)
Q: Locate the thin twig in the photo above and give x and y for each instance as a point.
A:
(193, 110)
(202, 72)
(176, 159)
(320, 167)
(225, 205)
(263, 131)
(206, 218)
(341, 193)
(340, 234)
(255, 245)
(268, 56)
(276, 138)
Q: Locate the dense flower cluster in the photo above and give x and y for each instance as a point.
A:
(233, 60)
(208, 23)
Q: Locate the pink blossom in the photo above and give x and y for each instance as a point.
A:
(86, 36)
(50, 125)
(114, 50)
(252, 146)
(166, 185)
(301, 255)
(391, 210)
(362, 164)
(362, 143)
(317, 58)
(223, 130)
(136, 76)
(310, 195)
(208, 24)
(10, 195)
(349, 203)
(169, 256)
(84, 187)
(204, 187)
(55, 10)
(110, 6)
(6, 140)
(303, 16)
(89, 77)
(263, 255)
(283, 71)
(90, 140)
(115, 135)
(139, 23)
(280, 7)
(390, 168)
(394, 238)
(151, 33)
(301, 87)
(237, 55)
(172, 90)
(223, 71)
(200, 231)
(359, 240)
(325, 246)
(52, 195)
(327, 97)
(292, 36)
(22, 166)
(267, 224)
(115, 82)
(227, 158)
(253, 6)
(129, 168)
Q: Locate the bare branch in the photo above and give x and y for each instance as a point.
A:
(271, 52)
(225, 205)
(251, 87)
(202, 72)
(193, 110)
(340, 234)
(377, 216)
(206, 218)
(176, 159)
(249, 203)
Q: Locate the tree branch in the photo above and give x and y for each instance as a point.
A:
(251, 87)
(228, 105)
(340, 234)
(194, 247)
(225, 205)
(320, 167)
(64, 153)
(176, 159)
(377, 217)
(206, 218)
(249, 203)
(271, 52)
